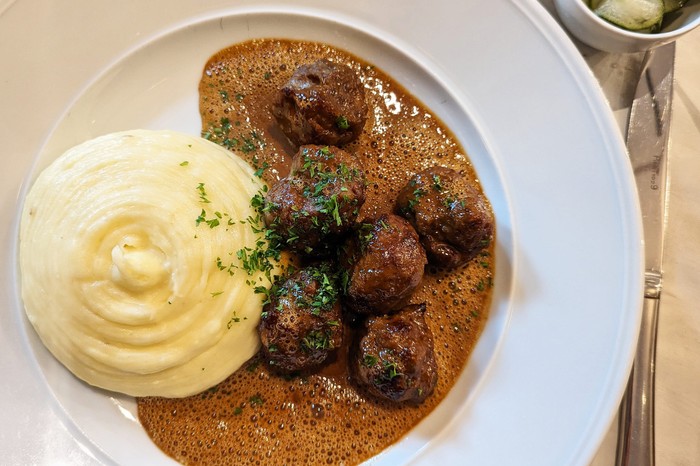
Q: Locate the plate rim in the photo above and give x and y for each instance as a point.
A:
(564, 50)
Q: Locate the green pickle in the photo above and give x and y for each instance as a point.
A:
(643, 16)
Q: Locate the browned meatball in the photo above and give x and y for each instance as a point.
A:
(393, 358)
(384, 263)
(322, 103)
(453, 219)
(301, 322)
(319, 200)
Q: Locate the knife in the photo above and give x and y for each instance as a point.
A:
(647, 144)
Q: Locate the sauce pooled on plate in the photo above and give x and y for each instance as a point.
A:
(256, 417)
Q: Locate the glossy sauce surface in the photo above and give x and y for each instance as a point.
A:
(255, 417)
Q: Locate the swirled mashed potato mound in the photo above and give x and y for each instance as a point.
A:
(129, 267)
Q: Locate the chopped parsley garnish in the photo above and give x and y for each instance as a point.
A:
(254, 260)
(417, 194)
(256, 400)
(202, 194)
(230, 268)
(342, 122)
(327, 293)
(316, 340)
(452, 203)
(212, 222)
(252, 367)
(234, 320)
(344, 281)
(201, 218)
(390, 371)
(369, 360)
(259, 172)
(261, 258)
(331, 207)
(365, 234)
(221, 133)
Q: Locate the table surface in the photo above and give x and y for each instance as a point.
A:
(677, 361)
(677, 364)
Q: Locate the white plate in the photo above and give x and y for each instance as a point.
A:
(549, 370)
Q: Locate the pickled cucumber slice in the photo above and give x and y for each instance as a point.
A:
(631, 14)
(673, 5)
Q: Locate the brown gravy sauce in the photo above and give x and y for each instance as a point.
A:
(255, 417)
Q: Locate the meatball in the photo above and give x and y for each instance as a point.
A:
(301, 323)
(454, 220)
(319, 200)
(384, 263)
(322, 103)
(393, 358)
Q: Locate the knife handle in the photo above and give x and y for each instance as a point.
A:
(635, 437)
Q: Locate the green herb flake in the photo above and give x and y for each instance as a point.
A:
(369, 360)
(202, 194)
(259, 172)
(201, 218)
(342, 122)
(253, 366)
(234, 320)
(390, 371)
(256, 400)
(316, 340)
(185, 163)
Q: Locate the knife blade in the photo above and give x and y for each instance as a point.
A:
(647, 145)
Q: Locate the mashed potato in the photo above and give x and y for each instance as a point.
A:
(129, 267)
